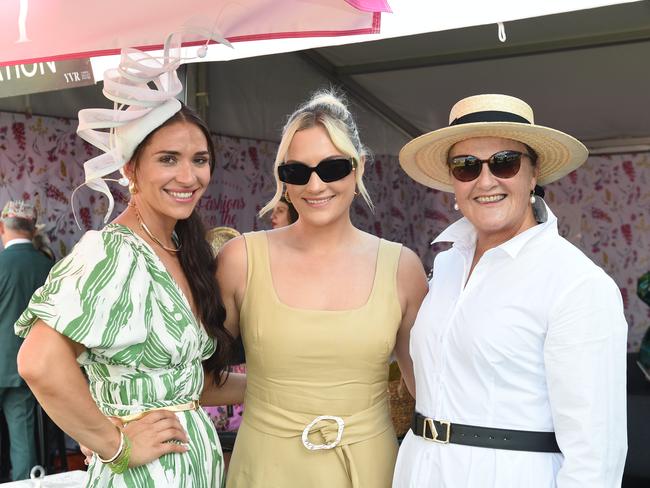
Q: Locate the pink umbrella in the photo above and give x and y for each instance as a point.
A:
(47, 30)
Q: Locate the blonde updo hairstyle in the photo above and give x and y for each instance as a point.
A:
(328, 109)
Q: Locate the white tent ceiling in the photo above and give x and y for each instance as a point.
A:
(585, 72)
(407, 18)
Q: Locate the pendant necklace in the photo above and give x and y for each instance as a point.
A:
(144, 227)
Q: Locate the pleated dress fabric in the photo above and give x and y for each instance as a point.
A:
(307, 363)
(144, 348)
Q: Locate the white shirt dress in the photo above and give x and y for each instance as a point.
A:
(534, 340)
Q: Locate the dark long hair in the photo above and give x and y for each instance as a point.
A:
(198, 261)
(293, 213)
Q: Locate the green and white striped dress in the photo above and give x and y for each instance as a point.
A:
(144, 348)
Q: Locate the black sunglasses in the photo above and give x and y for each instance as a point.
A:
(328, 170)
(504, 164)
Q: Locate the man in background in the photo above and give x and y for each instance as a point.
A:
(22, 270)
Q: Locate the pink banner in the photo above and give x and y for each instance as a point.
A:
(38, 30)
(370, 5)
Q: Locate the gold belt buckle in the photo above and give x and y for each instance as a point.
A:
(192, 405)
(428, 422)
(331, 445)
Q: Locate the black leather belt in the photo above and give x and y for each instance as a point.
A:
(444, 432)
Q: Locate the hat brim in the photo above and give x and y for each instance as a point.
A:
(425, 158)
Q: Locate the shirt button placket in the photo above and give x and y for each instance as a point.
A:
(464, 289)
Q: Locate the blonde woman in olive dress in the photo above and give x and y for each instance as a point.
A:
(321, 306)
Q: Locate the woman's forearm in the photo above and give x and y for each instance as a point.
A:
(228, 393)
(406, 368)
(47, 361)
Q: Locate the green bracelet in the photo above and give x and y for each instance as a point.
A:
(121, 462)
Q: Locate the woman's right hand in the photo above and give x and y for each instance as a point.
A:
(150, 437)
(154, 435)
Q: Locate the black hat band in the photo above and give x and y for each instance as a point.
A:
(489, 116)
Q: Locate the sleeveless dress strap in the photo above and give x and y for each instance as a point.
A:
(256, 257)
(385, 288)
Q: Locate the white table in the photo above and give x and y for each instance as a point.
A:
(71, 479)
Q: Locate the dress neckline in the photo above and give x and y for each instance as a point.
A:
(161, 266)
(276, 297)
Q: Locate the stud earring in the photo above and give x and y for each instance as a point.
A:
(123, 181)
(286, 196)
(456, 206)
(532, 197)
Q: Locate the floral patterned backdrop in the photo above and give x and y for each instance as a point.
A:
(602, 207)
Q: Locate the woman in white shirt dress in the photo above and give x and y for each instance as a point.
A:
(519, 347)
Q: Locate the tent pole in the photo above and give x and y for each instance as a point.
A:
(182, 75)
(202, 84)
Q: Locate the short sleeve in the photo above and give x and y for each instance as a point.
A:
(89, 296)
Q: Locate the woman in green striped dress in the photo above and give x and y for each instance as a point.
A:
(137, 305)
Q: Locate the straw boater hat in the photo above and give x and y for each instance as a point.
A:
(218, 236)
(425, 158)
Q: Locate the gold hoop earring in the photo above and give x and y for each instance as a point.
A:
(132, 188)
(286, 196)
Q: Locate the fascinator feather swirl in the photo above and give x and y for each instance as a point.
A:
(143, 89)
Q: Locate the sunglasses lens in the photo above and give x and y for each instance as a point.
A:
(465, 168)
(294, 173)
(505, 164)
(334, 169)
(328, 171)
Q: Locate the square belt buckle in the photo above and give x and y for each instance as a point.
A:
(430, 424)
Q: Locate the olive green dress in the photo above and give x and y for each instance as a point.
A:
(306, 363)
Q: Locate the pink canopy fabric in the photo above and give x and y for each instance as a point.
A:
(371, 5)
(48, 30)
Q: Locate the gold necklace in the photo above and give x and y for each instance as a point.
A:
(148, 232)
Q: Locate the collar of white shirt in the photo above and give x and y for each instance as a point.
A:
(17, 241)
(463, 234)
